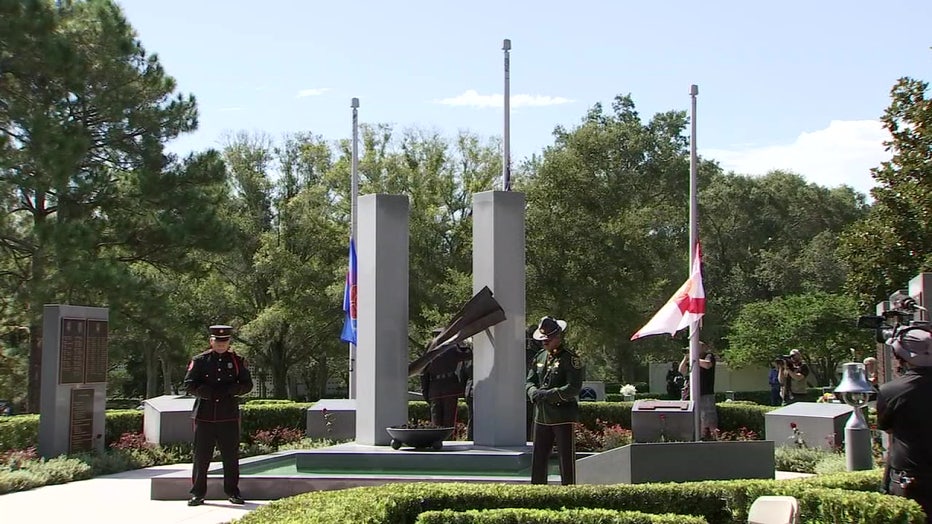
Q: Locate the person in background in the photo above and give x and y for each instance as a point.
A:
(776, 394)
(216, 377)
(870, 369)
(674, 382)
(441, 386)
(708, 415)
(795, 378)
(553, 386)
(464, 375)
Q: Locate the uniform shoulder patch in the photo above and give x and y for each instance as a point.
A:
(576, 362)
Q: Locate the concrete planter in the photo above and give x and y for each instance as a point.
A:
(678, 462)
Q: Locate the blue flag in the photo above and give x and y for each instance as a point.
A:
(349, 298)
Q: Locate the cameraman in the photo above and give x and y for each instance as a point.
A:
(794, 378)
(905, 412)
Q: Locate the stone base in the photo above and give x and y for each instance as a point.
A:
(821, 425)
(167, 419)
(340, 420)
(678, 462)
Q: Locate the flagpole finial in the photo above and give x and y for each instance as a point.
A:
(694, 90)
(354, 103)
(506, 45)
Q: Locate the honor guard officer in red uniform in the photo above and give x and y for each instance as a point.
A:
(216, 377)
(553, 385)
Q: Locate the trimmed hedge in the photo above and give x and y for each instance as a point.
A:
(540, 516)
(22, 431)
(403, 503)
(718, 502)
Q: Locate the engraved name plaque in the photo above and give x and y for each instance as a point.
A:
(82, 420)
(95, 351)
(71, 352)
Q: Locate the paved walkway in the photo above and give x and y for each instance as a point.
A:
(124, 497)
(118, 498)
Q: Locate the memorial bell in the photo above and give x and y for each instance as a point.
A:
(854, 387)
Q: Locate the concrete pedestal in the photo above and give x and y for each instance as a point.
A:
(678, 462)
(332, 418)
(167, 419)
(821, 425)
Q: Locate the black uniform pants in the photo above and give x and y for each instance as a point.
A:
(443, 411)
(903, 484)
(469, 413)
(544, 438)
(225, 435)
(530, 421)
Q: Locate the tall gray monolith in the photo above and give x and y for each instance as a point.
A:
(382, 329)
(498, 353)
(73, 395)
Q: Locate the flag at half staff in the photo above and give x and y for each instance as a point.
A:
(685, 307)
(349, 298)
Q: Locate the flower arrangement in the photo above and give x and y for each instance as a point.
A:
(826, 397)
(628, 390)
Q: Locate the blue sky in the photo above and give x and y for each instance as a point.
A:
(794, 84)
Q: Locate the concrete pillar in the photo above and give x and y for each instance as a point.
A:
(498, 353)
(382, 330)
(920, 288)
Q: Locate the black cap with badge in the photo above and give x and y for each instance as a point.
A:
(221, 332)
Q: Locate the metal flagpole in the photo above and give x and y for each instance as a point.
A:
(506, 155)
(693, 239)
(354, 196)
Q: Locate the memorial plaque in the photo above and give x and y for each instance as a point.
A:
(81, 429)
(95, 351)
(71, 351)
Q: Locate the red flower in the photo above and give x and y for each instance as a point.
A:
(663, 417)
(324, 411)
(792, 425)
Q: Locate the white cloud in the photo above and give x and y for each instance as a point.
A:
(842, 153)
(317, 91)
(472, 98)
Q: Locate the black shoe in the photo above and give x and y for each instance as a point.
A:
(236, 499)
(196, 501)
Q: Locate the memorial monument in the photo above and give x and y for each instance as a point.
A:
(73, 395)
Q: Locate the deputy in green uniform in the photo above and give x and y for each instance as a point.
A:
(553, 385)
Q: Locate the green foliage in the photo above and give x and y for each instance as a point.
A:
(822, 325)
(257, 417)
(569, 516)
(43, 473)
(798, 459)
(836, 498)
(86, 113)
(894, 242)
(19, 432)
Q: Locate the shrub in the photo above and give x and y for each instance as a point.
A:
(798, 459)
(35, 473)
(718, 502)
(277, 436)
(569, 516)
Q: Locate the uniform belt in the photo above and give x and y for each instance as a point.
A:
(443, 375)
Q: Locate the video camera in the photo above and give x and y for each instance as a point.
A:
(902, 312)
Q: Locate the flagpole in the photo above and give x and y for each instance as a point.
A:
(693, 240)
(506, 154)
(354, 200)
